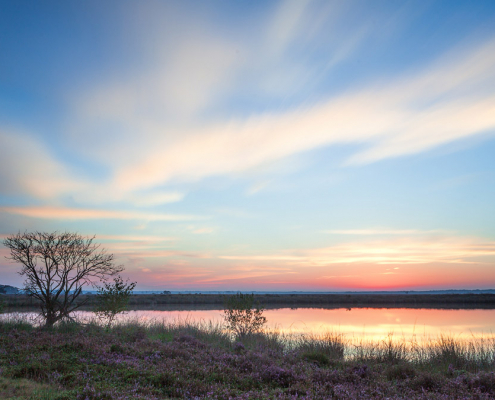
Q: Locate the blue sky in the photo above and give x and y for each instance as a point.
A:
(307, 145)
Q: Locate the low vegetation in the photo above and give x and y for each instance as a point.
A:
(113, 299)
(216, 301)
(159, 360)
(243, 315)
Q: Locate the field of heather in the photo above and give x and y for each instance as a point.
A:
(184, 360)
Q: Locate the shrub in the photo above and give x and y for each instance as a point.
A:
(485, 381)
(449, 351)
(331, 345)
(113, 298)
(319, 358)
(239, 347)
(425, 381)
(400, 371)
(243, 315)
(280, 376)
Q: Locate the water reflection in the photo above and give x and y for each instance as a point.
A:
(368, 323)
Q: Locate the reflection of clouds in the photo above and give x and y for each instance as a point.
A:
(370, 324)
(376, 324)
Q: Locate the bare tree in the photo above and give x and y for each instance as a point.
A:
(57, 266)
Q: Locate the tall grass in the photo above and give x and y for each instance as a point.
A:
(470, 353)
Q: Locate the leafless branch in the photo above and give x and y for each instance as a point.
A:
(56, 267)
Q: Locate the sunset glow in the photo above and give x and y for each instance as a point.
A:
(273, 146)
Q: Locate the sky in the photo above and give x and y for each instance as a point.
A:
(255, 145)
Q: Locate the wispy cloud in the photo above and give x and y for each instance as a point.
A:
(134, 238)
(372, 232)
(154, 198)
(257, 187)
(449, 99)
(398, 251)
(27, 167)
(85, 213)
(142, 253)
(452, 99)
(237, 276)
(202, 231)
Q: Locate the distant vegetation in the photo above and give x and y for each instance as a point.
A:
(6, 289)
(216, 301)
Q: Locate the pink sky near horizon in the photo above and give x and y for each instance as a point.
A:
(409, 263)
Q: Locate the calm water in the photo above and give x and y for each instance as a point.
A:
(370, 323)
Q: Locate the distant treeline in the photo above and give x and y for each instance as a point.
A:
(293, 300)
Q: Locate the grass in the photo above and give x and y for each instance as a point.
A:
(183, 359)
(19, 389)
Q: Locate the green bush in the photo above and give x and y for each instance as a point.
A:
(400, 371)
(113, 298)
(243, 315)
(319, 358)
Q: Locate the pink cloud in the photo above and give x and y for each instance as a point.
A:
(88, 213)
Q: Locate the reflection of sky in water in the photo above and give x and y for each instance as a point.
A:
(369, 323)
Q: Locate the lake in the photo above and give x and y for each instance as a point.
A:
(369, 323)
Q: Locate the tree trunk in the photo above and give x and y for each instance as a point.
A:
(50, 320)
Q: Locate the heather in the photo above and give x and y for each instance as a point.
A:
(182, 359)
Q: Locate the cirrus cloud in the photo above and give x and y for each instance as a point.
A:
(67, 213)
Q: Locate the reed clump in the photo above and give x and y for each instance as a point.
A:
(203, 360)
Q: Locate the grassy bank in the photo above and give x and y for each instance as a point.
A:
(294, 300)
(201, 361)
